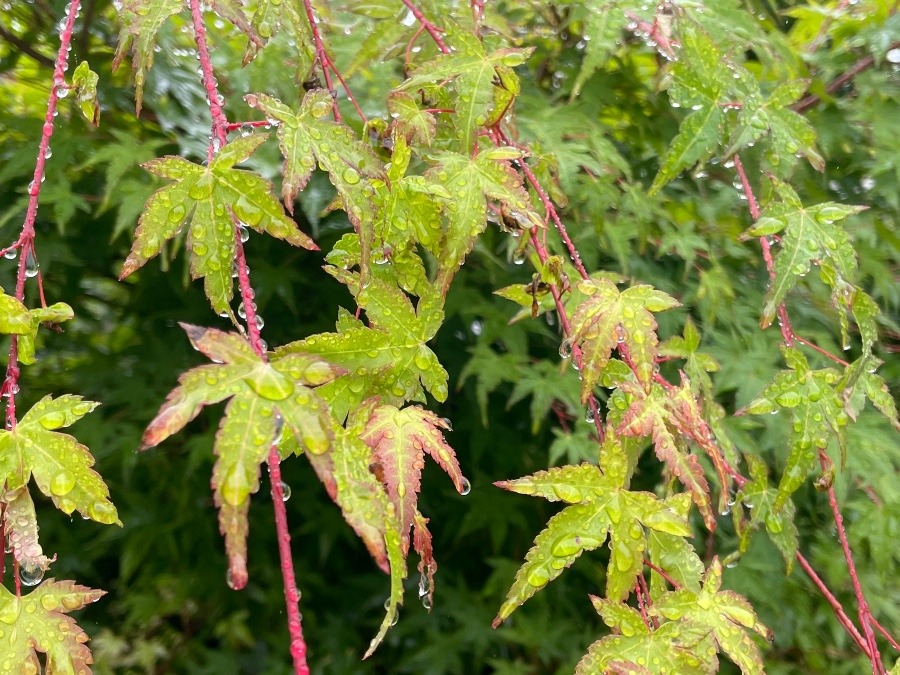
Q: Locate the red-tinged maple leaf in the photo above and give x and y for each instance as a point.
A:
(650, 415)
(37, 622)
(399, 440)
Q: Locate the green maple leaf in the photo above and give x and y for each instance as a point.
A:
(14, 316)
(472, 181)
(210, 198)
(407, 271)
(306, 138)
(477, 75)
(860, 382)
(264, 397)
(16, 319)
(266, 22)
(60, 465)
(817, 415)
(609, 317)
(669, 417)
(141, 21)
(675, 647)
(727, 614)
(399, 440)
(409, 207)
(367, 508)
(599, 506)
(388, 358)
(697, 140)
(37, 623)
(21, 528)
(84, 80)
(602, 29)
(54, 314)
(809, 234)
(760, 498)
(411, 121)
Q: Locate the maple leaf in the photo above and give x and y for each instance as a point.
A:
(399, 440)
(472, 181)
(477, 75)
(413, 123)
(760, 498)
(306, 138)
(267, 21)
(60, 465)
(84, 81)
(809, 234)
(600, 506)
(14, 316)
(601, 34)
(54, 314)
(661, 415)
(609, 317)
(21, 528)
(389, 358)
(210, 198)
(346, 472)
(264, 396)
(409, 207)
(860, 382)
(817, 415)
(406, 270)
(141, 21)
(727, 614)
(635, 648)
(37, 622)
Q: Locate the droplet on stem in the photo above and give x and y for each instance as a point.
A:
(30, 576)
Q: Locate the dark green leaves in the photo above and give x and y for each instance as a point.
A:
(213, 200)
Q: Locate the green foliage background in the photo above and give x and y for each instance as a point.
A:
(595, 111)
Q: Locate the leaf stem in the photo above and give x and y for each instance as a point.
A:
(321, 54)
(219, 122)
(862, 605)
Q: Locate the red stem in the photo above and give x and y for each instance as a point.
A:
(321, 54)
(219, 138)
(428, 26)
(862, 605)
(663, 574)
(835, 604)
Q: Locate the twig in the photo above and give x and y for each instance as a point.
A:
(663, 574)
(25, 47)
(219, 138)
(321, 54)
(861, 65)
(862, 605)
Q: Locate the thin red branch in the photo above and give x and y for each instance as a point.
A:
(824, 352)
(663, 574)
(839, 612)
(433, 30)
(887, 635)
(862, 605)
(639, 591)
(321, 54)
(218, 139)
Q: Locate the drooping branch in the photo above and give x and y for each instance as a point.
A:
(218, 139)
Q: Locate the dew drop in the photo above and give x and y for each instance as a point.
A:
(244, 232)
(565, 348)
(285, 491)
(31, 265)
(30, 576)
(11, 254)
(48, 153)
(466, 487)
(448, 425)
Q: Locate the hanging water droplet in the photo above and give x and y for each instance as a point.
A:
(224, 314)
(565, 348)
(476, 327)
(732, 564)
(244, 232)
(285, 491)
(726, 511)
(423, 586)
(11, 254)
(30, 576)
(447, 424)
(48, 153)
(229, 579)
(426, 603)
(31, 265)
(242, 311)
(264, 345)
(466, 487)
(259, 322)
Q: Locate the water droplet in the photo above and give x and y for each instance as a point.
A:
(11, 254)
(229, 579)
(565, 348)
(62, 483)
(447, 424)
(466, 487)
(350, 176)
(476, 327)
(48, 153)
(31, 265)
(426, 602)
(30, 576)
(285, 491)
(726, 511)
(259, 322)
